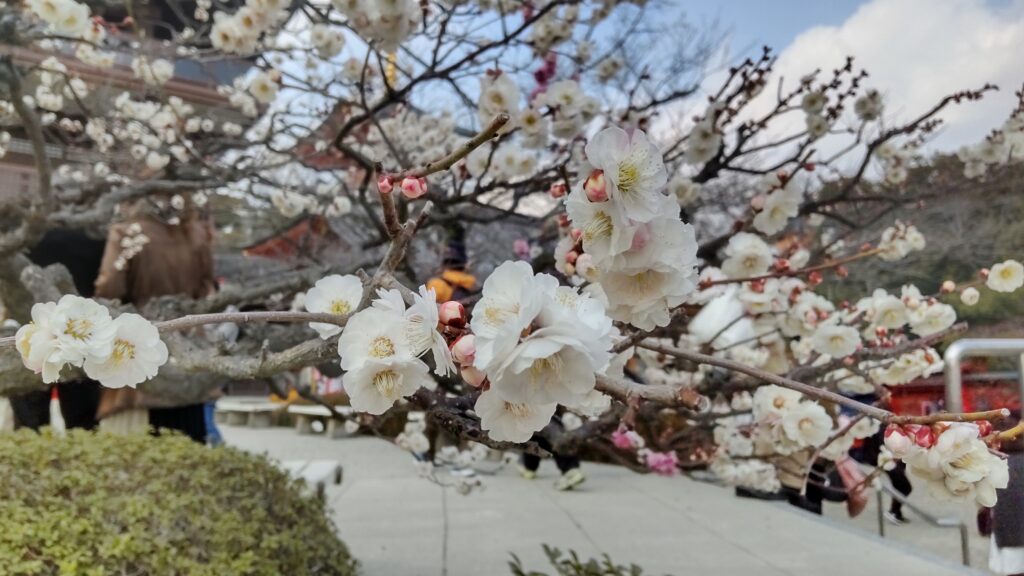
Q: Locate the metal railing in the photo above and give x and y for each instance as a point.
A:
(969, 347)
(938, 522)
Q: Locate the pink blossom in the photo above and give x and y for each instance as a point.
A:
(595, 187)
(897, 441)
(557, 190)
(464, 349)
(453, 314)
(414, 187)
(521, 248)
(627, 439)
(473, 376)
(385, 184)
(663, 463)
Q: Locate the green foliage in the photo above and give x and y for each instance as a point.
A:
(96, 504)
(572, 565)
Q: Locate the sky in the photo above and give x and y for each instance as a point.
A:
(915, 50)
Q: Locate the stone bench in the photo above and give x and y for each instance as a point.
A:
(255, 412)
(316, 473)
(306, 414)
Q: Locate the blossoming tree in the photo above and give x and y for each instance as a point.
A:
(689, 234)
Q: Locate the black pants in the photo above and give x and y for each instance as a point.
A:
(898, 477)
(564, 463)
(78, 403)
(190, 420)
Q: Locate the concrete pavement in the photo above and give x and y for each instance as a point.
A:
(398, 524)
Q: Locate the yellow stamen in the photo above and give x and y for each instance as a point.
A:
(600, 226)
(78, 329)
(340, 307)
(386, 382)
(123, 350)
(629, 175)
(382, 347)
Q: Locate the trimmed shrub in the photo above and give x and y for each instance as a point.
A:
(96, 504)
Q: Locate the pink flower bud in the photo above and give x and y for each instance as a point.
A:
(897, 441)
(414, 187)
(924, 437)
(757, 202)
(464, 349)
(595, 187)
(521, 248)
(577, 234)
(385, 184)
(452, 314)
(557, 190)
(571, 256)
(473, 376)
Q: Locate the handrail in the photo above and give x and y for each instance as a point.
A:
(938, 522)
(976, 347)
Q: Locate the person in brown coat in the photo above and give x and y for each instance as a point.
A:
(161, 248)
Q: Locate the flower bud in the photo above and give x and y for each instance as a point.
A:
(814, 278)
(897, 441)
(452, 314)
(464, 349)
(385, 184)
(757, 202)
(577, 234)
(984, 428)
(948, 286)
(569, 269)
(595, 187)
(414, 187)
(924, 437)
(571, 256)
(557, 190)
(473, 376)
(970, 296)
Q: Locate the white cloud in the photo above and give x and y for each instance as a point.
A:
(917, 51)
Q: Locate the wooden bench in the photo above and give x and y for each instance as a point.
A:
(252, 411)
(317, 473)
(306, 414)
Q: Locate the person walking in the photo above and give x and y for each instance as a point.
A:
(162, 248)
(568, 464)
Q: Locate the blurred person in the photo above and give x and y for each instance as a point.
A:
(568, 464)
(79, 399)
(161, 248)
(455, 282)
(1006, 552)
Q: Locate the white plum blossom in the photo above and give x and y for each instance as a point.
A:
(899, 240)
(632, 169)
(507, 421)
(746, 255)
(1006, 276)
(779, 207)
(334, 294)
(137, 354)
(835, 340)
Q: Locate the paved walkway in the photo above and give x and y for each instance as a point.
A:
(397, 524)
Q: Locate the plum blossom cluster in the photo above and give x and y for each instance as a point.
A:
(386, 23)
(953, 458)
(64, 17)
(381, 346)
(80, 332)
(625, 235)
(534, 345)
(240, 32)
(1001, 147)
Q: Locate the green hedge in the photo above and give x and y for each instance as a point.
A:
(97, 504)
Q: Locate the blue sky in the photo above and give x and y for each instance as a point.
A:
(751, 24)
(916, 51)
